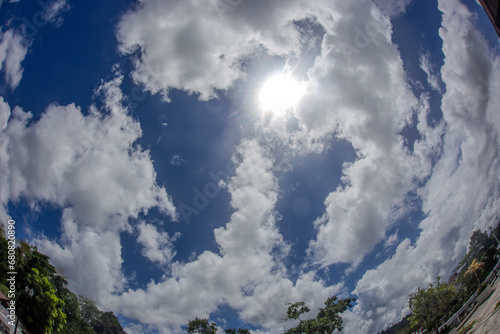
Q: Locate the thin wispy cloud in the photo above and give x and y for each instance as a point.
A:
(13, 49)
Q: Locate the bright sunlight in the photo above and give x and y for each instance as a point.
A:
(280, 92)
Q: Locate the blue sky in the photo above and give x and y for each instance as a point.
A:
(138, 153)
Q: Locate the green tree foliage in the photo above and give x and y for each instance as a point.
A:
(402, 327)
(88, 311)
(295, 310)
(44, 310)
(327, 320)
(482, 249)
(96, 320)
(107, 323)
(430, 305)
(201, 326)
(474, 268)
(204, 326)
(75, 323)
(52, 308)
(238, 331)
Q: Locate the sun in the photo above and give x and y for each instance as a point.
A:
(280, 92)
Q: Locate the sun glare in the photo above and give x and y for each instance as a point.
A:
(280, 92)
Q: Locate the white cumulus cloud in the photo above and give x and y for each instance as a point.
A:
(158, 246)
(199, 46)
(247, 273)
(462, 193)
(368, 104)
(91, 168)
